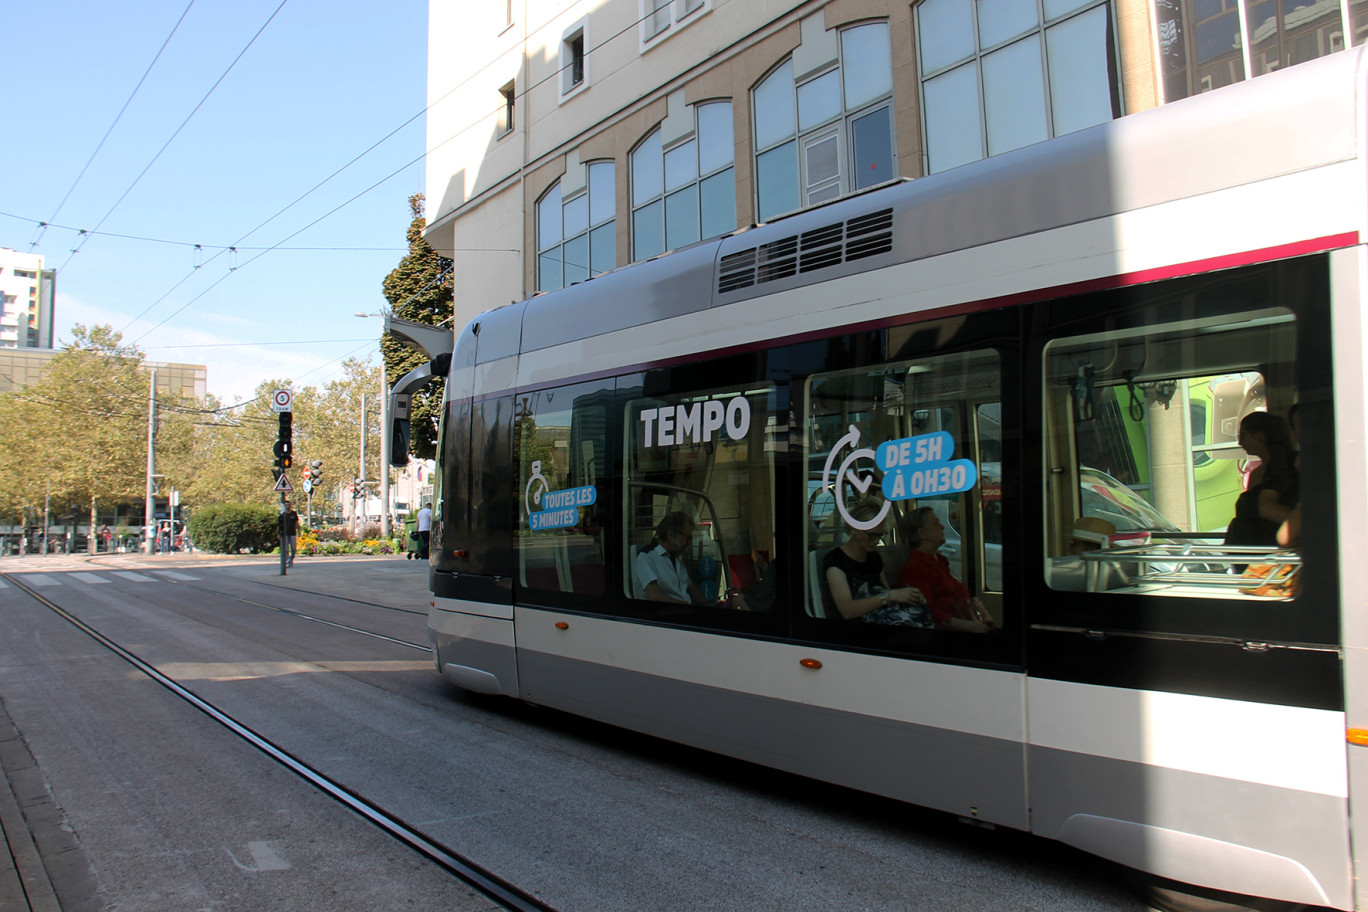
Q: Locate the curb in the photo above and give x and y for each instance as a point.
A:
(41, 844)
(24, 882)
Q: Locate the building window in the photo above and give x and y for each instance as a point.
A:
(687, 192)
(830, 134)
(577, 236)
(661, 18)
(1002, 75)
(572, 71)
(1203, 45)
(509, 95)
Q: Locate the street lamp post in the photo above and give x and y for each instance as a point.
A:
(384, 441)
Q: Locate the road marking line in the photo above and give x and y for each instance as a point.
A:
(172, 574)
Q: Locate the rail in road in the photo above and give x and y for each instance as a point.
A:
(566, 811)
(507, 894)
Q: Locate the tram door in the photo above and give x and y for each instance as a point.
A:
(892, 445)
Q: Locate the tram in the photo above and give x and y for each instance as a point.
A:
(1074, 329)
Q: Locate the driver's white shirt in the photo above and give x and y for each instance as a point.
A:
(656, 566)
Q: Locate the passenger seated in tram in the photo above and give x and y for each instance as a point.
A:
(854, 574)
(927, 570)
(1273, 485)
(658, 572)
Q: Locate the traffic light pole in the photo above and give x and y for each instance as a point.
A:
(284, 458)
(280, 523)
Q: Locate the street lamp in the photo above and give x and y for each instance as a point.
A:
(384, 440)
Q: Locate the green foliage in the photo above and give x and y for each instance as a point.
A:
(418, 289)
(229, 528)
(79, 435)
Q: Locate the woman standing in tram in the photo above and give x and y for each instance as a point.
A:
(1273, 485)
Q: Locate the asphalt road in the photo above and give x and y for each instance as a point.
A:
(163, 809)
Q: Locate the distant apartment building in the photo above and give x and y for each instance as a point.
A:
(26, 293)
(566, 139)
(23, 367)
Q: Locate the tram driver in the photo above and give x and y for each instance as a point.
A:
(659, 573)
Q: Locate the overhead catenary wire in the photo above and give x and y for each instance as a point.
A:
(237, 245)
(86, 235)
(43, 226)
(235, 248)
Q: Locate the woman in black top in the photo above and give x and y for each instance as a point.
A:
(854, 575)
(1273, 485)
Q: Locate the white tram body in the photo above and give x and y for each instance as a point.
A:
(1091, 299)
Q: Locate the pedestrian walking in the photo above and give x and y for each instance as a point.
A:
(289, 531)
(424, 530)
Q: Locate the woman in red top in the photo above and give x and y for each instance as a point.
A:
(952, 608)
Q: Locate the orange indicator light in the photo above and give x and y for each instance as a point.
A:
(1357, 736)
(810, 663)
(561, 625)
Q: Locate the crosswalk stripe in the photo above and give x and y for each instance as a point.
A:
(90, 577)
(133, 577)
(38, 581)
(172, 574)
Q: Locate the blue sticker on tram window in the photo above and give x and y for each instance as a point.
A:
(547, 509)
(921, 467)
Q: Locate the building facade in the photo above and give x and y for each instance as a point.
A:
(566, 139)
(23, 367)
(26, 294)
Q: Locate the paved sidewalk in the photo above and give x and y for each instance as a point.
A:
(24, 883)
(38, 846)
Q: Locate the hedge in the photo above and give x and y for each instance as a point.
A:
(232, 528)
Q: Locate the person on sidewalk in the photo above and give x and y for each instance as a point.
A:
(424, 530)
(289, 531)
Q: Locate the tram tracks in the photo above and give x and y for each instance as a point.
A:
(506, 894)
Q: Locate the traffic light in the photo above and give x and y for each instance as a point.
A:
(316, 471)
(284, 445)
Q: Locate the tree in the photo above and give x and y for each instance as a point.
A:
(79, 436)
(231, 458)
(418, 289)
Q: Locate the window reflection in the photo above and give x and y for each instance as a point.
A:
(839, 120)
(990, 94)
(1203, 47)
(687, 193)
(560, 453)
(576, 237)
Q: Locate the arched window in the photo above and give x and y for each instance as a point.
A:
(830, 134)
(577, 237)
(687, 192)
(1001, 74)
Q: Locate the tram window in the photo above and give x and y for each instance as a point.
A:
(1143, 463)
(885, 441)
(561, 453)
(709, 455)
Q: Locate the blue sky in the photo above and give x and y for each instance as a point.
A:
(323, 82)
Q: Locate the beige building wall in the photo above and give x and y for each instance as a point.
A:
(484, 182)
(23, 367)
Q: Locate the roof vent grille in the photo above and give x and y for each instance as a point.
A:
(830, 245)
